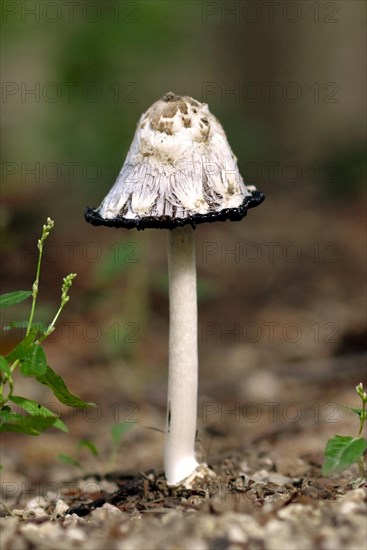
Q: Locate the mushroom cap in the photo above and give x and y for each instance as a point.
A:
(179, 170)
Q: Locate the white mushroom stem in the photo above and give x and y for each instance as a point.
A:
(179, 456)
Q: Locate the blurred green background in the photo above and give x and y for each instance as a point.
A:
(287, 82)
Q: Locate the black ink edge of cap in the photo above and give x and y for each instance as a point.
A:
(166, 222)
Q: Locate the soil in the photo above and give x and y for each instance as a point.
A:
(228, 510)
(268, 493)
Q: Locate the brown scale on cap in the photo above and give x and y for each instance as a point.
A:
(163, 112)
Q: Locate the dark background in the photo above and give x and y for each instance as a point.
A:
(281, 294)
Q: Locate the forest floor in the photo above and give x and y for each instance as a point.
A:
(267, 492)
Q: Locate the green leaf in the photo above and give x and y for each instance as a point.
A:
(35, 409)
(68, 460)
(88, 445)
(6, 414)
(31, 356)
(35, 363)
(37, 327)
(4, 366)
(59, 424)
(12, 298)
(18, 428)
(32, 425)
(59, 389)
(341, 452)
(119, 430)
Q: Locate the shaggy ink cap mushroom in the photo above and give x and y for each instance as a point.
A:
(180, 171)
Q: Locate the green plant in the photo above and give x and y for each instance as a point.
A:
(17, 413)
(117, 433)
(342, 451)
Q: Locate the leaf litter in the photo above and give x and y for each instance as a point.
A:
(265, 509)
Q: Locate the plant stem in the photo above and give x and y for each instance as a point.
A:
(35, 288)
(45, 233)
(51, 326)
(179, 456)
(9, 380)
(362, 418)
(67, 282)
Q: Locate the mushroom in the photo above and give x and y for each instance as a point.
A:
(179, 172)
